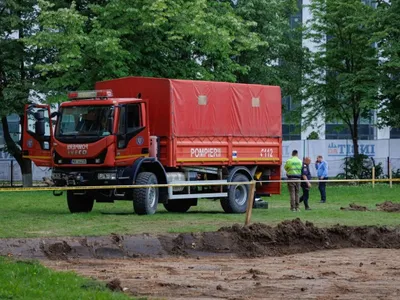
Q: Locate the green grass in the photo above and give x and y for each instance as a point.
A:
(30, 280)
(34, 214)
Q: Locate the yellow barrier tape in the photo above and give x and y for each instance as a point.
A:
(332, 180)
(106, 187)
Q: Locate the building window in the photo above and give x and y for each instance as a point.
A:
(395, 133)
(341, 132)
(291, 114)
(337, 130)
(291, 132)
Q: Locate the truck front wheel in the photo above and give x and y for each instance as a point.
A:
(145, 200)
(236, 202)
(79, 203)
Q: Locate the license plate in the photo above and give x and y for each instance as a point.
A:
(78, 161)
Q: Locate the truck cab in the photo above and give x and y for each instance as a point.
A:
(96, 141)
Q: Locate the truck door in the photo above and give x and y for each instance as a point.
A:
(133, 134)
(37, 135)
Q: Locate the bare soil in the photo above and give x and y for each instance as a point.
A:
(388, 206)
(355, 207)
(328, 274)
(291, 260)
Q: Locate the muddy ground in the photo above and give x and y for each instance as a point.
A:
(355, 207)
(389, 206)
(292, 260)
(329, 274)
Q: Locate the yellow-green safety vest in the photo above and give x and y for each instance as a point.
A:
(293, 167)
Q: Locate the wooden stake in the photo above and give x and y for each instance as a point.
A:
(390, 176)
(250, 201)
(373, 177)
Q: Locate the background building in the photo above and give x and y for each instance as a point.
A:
(293, 130)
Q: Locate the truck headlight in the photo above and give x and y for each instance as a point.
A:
(106, 176)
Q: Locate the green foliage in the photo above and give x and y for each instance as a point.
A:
(396, 174)
(388, 38)
(163, 38)
(30, 280)
(278, 60)
(313, 136)
(360, 167)
(341, 77)
(16, 72)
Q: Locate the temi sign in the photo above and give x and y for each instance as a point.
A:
(343, 150)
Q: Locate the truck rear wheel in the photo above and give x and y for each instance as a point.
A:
(145, 200)
(236, 202)
(178, 205)
(79, 203)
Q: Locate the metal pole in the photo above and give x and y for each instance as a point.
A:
(12, 172)
(373, 177)
(390, 175)
(250, 201)
(388, 166)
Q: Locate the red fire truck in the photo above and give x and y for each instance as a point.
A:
(142, 131)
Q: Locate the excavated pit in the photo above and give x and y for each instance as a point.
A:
(256, 240)
(293, 260)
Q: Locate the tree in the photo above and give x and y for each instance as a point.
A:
(278, 60)
(163, 38)
(16, 73)
(341, 79)
(388, 38)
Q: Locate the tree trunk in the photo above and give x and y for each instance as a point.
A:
(26, 170)
(354, 134)
(355, 145)
(16, 152)
(358, 161)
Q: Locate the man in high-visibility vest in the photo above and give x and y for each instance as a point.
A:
(293, 172)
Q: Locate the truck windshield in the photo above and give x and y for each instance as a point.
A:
(85, 121)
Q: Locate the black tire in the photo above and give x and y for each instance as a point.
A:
(236, 202)
(79, 203)
(145, 200)
(179, 206)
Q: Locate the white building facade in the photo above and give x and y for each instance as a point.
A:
(330, 131)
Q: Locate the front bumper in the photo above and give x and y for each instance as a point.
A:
(74, 177)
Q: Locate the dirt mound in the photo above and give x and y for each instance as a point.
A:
(114, 285)
(256, 240)
(287, 237)
(389, 206)
(355, 207)
(56, 251)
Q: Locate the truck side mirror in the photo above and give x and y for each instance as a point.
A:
(40, 123)
(39, 115)
(40, 127)
(54, 114)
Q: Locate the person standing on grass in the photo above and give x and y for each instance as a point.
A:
(306, 185)
(322, 172)
(293, 173)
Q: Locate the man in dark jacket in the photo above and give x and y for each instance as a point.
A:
(306, 185)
